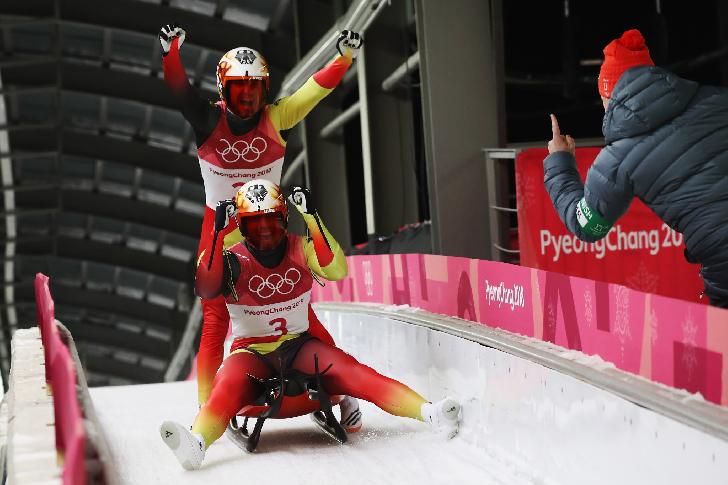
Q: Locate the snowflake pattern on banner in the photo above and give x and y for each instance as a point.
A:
(526, 193)
(653, 326)
(588, 307)
(550, 318)
(643, 280)
(690, 331)
(368, 278)
(621, 317)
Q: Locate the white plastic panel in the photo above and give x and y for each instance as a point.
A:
(565, 430)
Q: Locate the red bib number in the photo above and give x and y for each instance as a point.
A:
(281, 325)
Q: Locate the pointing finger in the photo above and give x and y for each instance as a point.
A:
(555, 126)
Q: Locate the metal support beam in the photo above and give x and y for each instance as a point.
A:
(459, 122)
(324, 157)
(360, 15)
(366, 148)
(295, 165)
(411, 64)
(389, 189)
(496, 169)
(351, 75)
(337, 123)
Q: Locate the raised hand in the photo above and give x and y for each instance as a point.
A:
(352, 40)
(168, 33)
(559, 142)
(224, 212)
(303, 200)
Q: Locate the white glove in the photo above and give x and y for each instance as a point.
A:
(350, 39)
(167, 35)
(302, 199)
(224, 213)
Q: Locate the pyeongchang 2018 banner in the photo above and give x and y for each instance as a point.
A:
(640, 251)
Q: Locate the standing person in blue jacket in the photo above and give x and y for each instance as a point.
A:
(666, 144)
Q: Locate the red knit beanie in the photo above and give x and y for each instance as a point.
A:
(619, 55)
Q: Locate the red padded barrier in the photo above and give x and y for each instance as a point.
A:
(45, 314)
(61, 376)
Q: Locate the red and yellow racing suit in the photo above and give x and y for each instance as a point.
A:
(229, 156)
(269, 311)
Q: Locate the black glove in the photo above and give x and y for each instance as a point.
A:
(167, 35)
(224, 211)
(303, 200)
(352, 40)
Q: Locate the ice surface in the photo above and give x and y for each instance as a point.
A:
(388, 450)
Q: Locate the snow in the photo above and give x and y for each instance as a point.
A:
(387, 450)
(399, 308)
(593, 361)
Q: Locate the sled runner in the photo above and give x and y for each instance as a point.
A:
(289, 394)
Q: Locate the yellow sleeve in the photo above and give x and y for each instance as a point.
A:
(289, 111)
(337, 268)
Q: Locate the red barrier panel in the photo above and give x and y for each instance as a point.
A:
(640, 251)
(45, 311)
(61, 376)
(69, 422)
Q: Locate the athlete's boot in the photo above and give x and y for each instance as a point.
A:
(187, 447)
(350, 415)
(444, 416)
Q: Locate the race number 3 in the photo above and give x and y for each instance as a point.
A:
(279, 325)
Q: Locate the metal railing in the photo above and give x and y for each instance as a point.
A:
(499, 166)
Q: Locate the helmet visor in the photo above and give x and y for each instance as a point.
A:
(245, 97)
(263, 231)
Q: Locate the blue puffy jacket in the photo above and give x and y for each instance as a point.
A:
(666, 144)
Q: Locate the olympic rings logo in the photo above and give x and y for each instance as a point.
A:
(274, 283)
(249, 152)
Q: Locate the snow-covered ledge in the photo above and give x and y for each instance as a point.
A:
(568, 417)
(31, 449)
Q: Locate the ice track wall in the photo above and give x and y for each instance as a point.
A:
(537, 404)
(678, 343)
